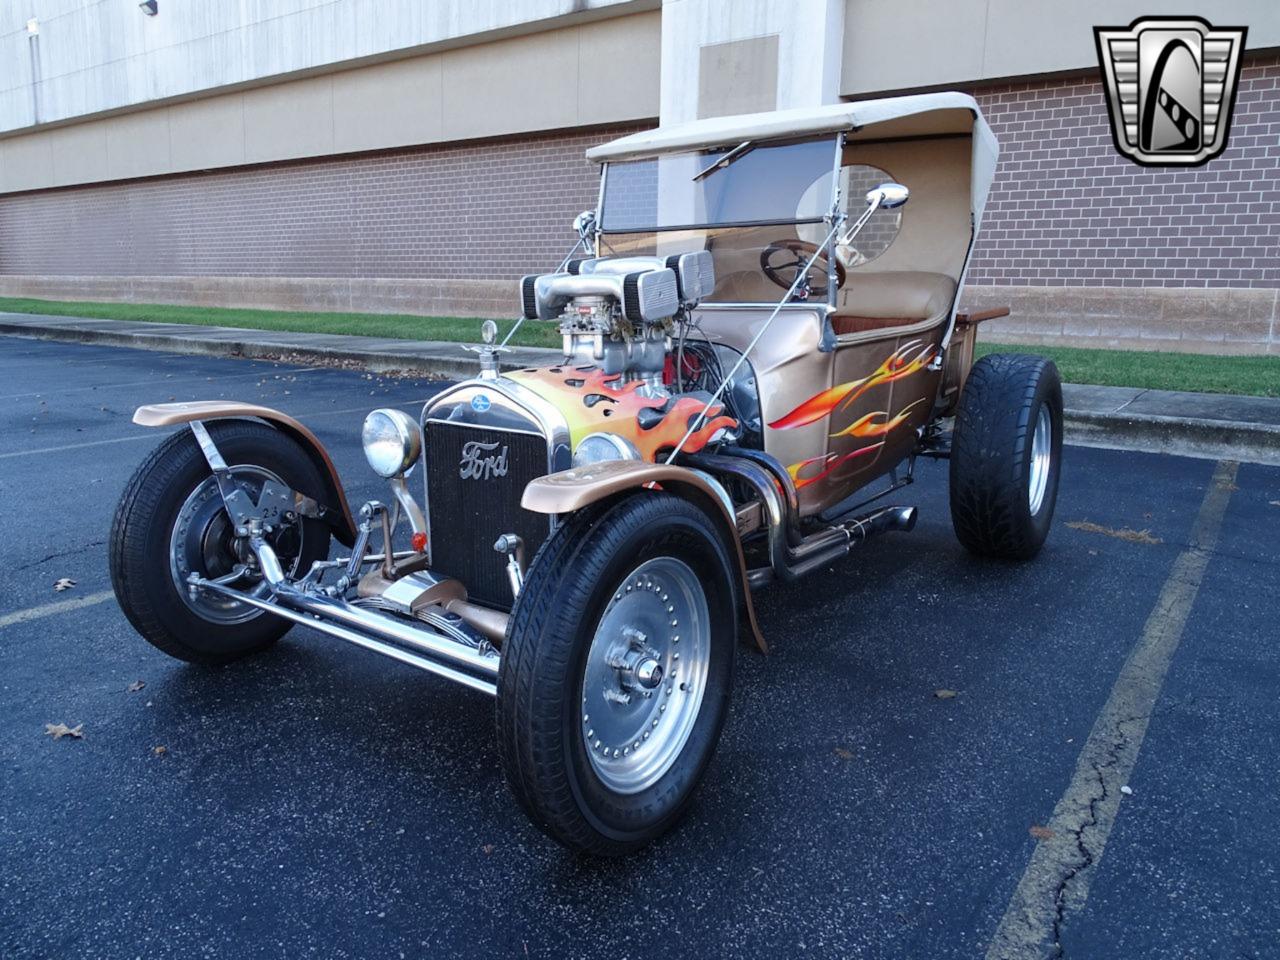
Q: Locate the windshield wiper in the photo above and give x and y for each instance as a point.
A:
(737, 153)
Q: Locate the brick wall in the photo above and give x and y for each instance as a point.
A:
(1087, 247)
(1067, 210)
(470, 211)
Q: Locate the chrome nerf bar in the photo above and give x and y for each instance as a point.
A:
(416, 644)
(409, 656)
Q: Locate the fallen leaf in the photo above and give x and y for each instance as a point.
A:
(63, 583)
(1127, 790)
(136, 686)
(1041, 833)
(159, 751)
(843, 754)
(487, 848)
(1274, 503)
(60, 730)
(1124, 533)
(944, 694)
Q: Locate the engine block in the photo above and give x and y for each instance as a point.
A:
(617, 312)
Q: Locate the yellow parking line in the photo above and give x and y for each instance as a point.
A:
(50, 609)
(1056, 882)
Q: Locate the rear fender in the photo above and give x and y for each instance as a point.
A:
(169, 414)
(571, 490)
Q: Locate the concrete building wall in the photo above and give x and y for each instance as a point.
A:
(721, 56)
(922, 44)
(543, 81)
(88, 57)
(417, 157)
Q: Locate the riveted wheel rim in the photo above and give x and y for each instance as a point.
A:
(203, 542)
(656, 624)
(1041, 460)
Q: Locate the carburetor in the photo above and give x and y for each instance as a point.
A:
(618, 312)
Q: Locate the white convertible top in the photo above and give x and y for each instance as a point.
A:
(916, 116)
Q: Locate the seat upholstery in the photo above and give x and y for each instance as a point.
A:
(899, 294)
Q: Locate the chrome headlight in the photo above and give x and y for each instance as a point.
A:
(392, 442)
(598, 447)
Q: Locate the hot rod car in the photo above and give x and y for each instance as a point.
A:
(762, 323)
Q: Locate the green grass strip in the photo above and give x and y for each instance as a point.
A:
(1197, 372)
(398, 326)
(1202, 373)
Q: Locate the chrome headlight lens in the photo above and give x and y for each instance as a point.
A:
(392, 442)
(599, 447)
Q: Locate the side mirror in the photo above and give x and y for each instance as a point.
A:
(890, 195)
(584, 225)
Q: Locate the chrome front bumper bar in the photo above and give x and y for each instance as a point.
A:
(414, 643)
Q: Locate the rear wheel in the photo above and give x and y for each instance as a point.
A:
(171, 523)
(1006, 454)
(615, 677)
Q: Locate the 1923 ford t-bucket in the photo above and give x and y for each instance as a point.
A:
(591, 532)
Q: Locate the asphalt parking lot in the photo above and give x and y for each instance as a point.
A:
(320, 801)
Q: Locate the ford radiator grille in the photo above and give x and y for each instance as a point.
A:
(475, 477)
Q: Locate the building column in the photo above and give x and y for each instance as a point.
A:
(722, 57)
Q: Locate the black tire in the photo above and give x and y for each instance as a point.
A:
(577, 572)
(145, 519)
(991, 455)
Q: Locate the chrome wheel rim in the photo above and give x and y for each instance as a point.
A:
(202, 541)
(645, 675)
(1041, 460)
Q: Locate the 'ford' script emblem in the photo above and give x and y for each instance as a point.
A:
(480, 403)
(481, 461)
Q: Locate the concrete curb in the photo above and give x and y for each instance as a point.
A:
(426, 358)
(1095, 416)
(1182, 436)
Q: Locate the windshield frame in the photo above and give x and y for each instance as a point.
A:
(835, 141)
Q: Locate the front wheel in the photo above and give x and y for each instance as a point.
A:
(615, 675)
(1006, 454)
(171, 524)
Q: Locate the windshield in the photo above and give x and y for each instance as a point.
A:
(780, 183)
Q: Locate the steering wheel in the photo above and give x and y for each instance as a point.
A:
(782, 259)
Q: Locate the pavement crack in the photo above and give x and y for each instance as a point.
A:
(61, 553)
(1140, 393)
(1062, 895)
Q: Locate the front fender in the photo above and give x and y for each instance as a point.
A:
(169, 414)
(571, 490)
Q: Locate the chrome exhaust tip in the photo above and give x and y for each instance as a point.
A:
(904, 518)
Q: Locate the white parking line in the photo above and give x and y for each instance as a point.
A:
(1056, 882)
(75, 446)
(167, 381)
(50, 609)
(149, 435)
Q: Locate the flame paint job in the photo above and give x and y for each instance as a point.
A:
(878, 423)
(829, 464)
(592, 401)
(908, 359)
